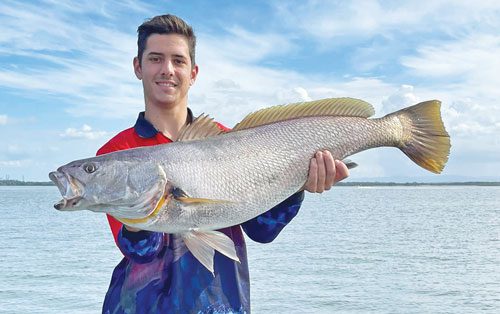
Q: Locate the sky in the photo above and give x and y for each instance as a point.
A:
(67, 83)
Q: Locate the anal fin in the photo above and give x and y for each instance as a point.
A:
(203, 244)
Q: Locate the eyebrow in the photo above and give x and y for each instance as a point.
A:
(152, 53)
(155, 54)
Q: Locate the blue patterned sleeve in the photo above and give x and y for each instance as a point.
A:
(142, 246)
(266, 227)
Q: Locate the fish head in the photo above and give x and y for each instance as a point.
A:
(123, 188)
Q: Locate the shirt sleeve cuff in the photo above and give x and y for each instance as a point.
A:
(142, 246)
(266, 227)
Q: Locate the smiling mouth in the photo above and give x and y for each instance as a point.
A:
(166, 84)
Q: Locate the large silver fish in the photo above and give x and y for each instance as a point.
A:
(210, 179)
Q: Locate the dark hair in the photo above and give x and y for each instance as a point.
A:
(165, 24)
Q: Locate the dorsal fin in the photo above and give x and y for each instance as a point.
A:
(349, 107)
(202, 127)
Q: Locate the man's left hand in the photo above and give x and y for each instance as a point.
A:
(324, 172)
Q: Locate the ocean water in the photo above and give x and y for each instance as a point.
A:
(351, 250)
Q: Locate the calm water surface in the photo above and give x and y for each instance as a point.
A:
(351, 250)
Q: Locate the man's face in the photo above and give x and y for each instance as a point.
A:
(165, 70)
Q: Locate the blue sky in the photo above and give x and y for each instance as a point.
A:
(67, 83)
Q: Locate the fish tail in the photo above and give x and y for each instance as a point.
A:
(425, 140)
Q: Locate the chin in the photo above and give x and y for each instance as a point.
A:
(166, 101)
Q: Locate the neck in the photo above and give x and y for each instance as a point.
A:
(168, 121)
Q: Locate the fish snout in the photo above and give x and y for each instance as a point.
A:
(60, 205)
(69, 189)
(68, 204)
(54, 175)
(59, 180)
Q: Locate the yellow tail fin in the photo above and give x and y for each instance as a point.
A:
(429, 143)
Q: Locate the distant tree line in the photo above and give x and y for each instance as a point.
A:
(24, 183)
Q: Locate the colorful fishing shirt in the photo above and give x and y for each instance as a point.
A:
(159, 275)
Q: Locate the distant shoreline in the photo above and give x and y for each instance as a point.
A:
(364, 184)
(24, 183)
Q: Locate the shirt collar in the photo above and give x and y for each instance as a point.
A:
(145, 129)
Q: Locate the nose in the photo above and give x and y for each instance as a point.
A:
(167, 68)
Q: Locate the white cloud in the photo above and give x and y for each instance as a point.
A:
(475, 128)
(263, 87)
(326, 20)
(295, 94)
(84, 132)
(56, 25)
(448, 50)
(351, 20)
(242, 85)
(467, 118)
(11, 163)
(91, 69)
(13, 151)
(403, 97)
(241, 45)
(465, 73)
(13, 148)
(226, 85)
(372, 90)
(13, 157)
(473, 58)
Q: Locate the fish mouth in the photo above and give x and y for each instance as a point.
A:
(70, 189)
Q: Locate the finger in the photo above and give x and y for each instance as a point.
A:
(312, 178)
(320, 187)
(330, 170)
(342, 171)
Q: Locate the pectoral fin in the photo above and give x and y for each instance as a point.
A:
(203, 244)
(193, 200)
(181, 196)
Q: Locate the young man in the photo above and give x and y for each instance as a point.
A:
(158, 274)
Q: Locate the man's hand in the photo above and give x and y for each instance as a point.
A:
(324, 172)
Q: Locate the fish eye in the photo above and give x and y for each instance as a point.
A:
(89, 167)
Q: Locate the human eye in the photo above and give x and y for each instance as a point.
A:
(154, 59)
(179, 61)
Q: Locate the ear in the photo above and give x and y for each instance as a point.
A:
(137, 68)
(194, 74)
